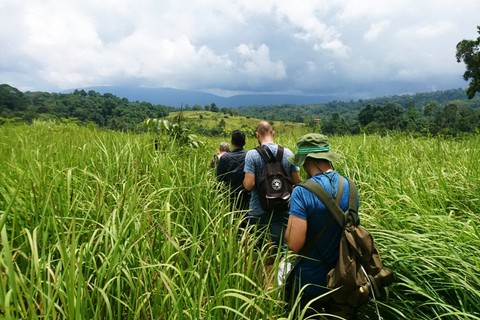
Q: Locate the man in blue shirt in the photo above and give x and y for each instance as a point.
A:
(308, 216)
(254, 165)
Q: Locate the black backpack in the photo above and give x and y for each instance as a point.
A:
(275, 186)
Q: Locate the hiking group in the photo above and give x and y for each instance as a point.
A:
(314, 219)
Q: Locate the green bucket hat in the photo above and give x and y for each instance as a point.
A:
(313, 145)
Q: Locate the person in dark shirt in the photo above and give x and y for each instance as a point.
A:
(230, 171)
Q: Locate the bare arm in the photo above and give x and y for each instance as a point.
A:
(296, 233)
(249, 181)
(295, 176)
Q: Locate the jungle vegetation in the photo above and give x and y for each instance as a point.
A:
(447, 112)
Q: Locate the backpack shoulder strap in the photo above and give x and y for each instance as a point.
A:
(344, 218)
(314, 240)
(279, 156)
(352, 212)
(263, 153)
(326, 199)
(310, 243)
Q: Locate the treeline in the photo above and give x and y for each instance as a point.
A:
(105, 110)
(211, 107)
(432, 119)
(442, 112)
(349, 110)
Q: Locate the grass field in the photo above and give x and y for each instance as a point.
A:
(210, 120)
(99, 225)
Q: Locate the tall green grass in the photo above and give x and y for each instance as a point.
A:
(421, 200)
(100, 225)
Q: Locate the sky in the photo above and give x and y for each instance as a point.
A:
(361, 49)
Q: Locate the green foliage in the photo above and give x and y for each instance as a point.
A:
(221, 124)
(348, 110)
(468, 51)
(214, 108)
(451, 120)
(104, 110)
(421, 114)
(177, 132)
(409, 113)
(11, 100)
(338, 125)
(96, 224)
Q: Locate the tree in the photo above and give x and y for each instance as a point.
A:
(335, 125)
(80, 93)
(12, 99)
(412, 111)
(92, 93)
(366, 115)
(468, 51)
(222, 123)
(450, 114)
(465, 119)
(391, 116)
(233, 112)
(430, 109)
(214, 108)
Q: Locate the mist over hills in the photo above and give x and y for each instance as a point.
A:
(177, 97)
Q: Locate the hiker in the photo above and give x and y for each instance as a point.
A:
(308, 216)
(254, 165)
(223, 148)
(230, 171)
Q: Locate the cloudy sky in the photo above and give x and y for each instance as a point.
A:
(364, 49)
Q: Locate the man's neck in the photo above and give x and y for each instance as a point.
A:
(266, 140)
(234, 147)
(316, 168)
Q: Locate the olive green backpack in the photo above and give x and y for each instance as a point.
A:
(359, 274)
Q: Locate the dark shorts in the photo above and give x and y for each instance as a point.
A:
(276, 223)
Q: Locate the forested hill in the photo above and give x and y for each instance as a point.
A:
(105, 110)
(349, 109)
(441, 112)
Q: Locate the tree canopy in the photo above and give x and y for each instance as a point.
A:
(441, 112)
(468, 51)
(104, 110)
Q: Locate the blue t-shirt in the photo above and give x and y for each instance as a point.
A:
(254, 164)
(304, 204)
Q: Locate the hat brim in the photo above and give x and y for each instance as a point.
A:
(299, 159)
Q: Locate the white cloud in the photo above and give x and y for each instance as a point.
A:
(308, 22)
(425, 31)
(257, 64)
(336, 46)
(375, 30)
(351, 11)
(237, 45)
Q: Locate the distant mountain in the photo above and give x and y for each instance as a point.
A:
(176, 97)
